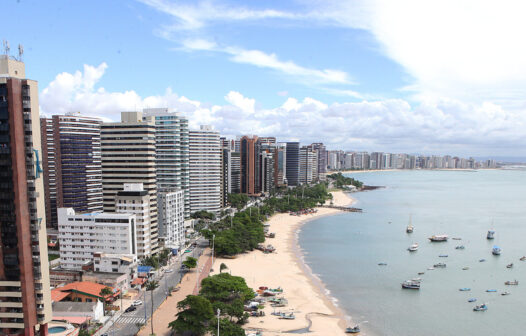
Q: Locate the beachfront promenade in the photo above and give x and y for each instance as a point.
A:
(168, 309)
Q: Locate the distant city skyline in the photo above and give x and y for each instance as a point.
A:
(355, 75)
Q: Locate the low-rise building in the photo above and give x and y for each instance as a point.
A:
(92, 311)
(81, 235)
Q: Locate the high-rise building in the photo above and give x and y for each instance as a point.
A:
(293, 163)
(171, 219)
(226, 176)
(280, 165)
(250, 165)
(25, 307)
(71, 158)
(235, 172)
(322, 156)
(83, 234)
(171, 152)
(205, 170)
(128, 156)
(308, 165)
(134, 199)
(267, 171)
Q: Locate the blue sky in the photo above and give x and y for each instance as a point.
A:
(358, 75)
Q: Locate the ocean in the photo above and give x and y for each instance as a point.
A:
(344, 251)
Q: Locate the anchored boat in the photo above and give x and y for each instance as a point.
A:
(413, 247)
(496, 250)
(481, 307)
(490, 234)
(410, 284)
(353, 330)
(512, 283)
(438, 238)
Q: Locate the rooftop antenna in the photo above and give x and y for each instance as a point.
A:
(20, 52)
(6, 47)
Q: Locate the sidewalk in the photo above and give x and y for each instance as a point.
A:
(168, 309)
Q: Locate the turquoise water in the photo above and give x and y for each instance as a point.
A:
(56, 330)
(344, 251)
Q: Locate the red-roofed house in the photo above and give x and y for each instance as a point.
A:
(82, 291)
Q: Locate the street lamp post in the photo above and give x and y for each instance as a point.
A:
(218, 314)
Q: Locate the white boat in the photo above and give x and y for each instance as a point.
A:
(410, 284)
(413, 247)
(490, 234)
(409, 228)
(496, 250)
(438, 238)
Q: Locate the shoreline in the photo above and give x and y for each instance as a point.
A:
(307, 295)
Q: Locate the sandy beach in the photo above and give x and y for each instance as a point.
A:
(284, 268)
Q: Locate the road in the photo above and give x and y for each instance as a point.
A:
(127, 323)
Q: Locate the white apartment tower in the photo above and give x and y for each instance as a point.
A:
(171, 218)
(128, 156)
(205, 170)
(308, 165)
(83, 234)
(134, 199)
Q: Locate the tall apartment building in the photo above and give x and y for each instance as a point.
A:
(71, 158)
(171, 219)
(235, 172)
(280, 165)
(25, 296)
(226, 176)
(83, 234)
(128, 156)
(134, 199)
(267, 171)
(250, 165)
(293, 163)
(205, 170)
(322, 156)
(171, 152)
(308, 165)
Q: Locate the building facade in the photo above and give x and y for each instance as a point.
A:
(171, 218)
(250, 165)
(71, 157)
(293, 163)
(128, 157)
(205, 170)
(25, 294)
(83, 234)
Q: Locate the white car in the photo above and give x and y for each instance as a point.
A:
(137, 303)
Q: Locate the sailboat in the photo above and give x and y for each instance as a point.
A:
(409, 228)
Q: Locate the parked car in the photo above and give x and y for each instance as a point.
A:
(130, 309)
(137, 303)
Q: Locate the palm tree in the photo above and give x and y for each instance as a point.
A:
(151, 285)
(104, 293)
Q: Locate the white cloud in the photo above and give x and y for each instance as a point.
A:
(270, 61)
(445, 126)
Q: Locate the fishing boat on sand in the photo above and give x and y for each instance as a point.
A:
(481, 307)
(353, 330)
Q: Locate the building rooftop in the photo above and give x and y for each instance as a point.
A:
(82, 287)
(61, 307)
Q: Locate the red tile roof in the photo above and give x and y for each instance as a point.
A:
(83, 287)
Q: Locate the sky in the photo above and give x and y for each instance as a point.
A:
(413, 76)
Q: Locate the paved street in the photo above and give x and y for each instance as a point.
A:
(127, 323)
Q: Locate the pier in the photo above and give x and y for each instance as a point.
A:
(342, 208)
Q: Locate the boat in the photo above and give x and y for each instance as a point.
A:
(443, 256)
(460, 247)
(464, 289)
(491, 290)
(438, 238)
(512, 283)
(430, 268)
(410, 284)
(382, 264)
(439, 265)
(522, 258)
(481, 307)
(509, 265)
(417, 279)
(409, 228)
(420, 273)
(413, 247)
(465, 268)
(456, 238)
(353, 330)
(505, 293)
(496, 250)
(482, 260)
(287, 316)
(472, 300)
(490, 234)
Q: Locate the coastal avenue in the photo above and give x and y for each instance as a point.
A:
(127, 323)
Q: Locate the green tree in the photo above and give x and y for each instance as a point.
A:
(151, 285)
(190, 262)
(194, 316)
(222, 267)
(227, 328)
(104, 293)
(203, 214)
(238, 200)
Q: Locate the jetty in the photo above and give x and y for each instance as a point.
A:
(342, 208)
